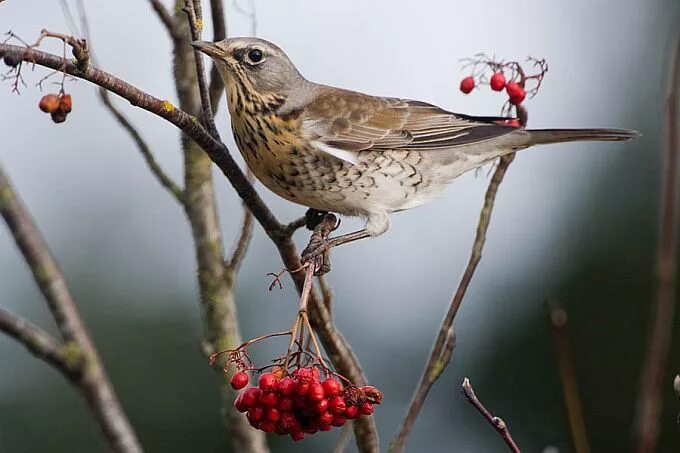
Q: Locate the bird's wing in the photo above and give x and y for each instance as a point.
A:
(344, 123)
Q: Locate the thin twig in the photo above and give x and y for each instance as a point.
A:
(166, 18)
(650, 404)
(557, 318)
(497, 422)
(326, 292)
(93, 381)
(162, 177)
(192, 8)
(245, 235)
(216, 87)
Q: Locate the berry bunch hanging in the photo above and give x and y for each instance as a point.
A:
(57, 105)
(502, 75)
(297, 394)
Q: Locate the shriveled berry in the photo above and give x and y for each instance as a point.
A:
(518, 97)
(337, 405)
(269, 399)
(49, 103)
(267, 426)
(338, 420)
(272, 414)
(297, 435)
(239, 380)
(267, 382)
(58, 116)
(11, 60)
(366, 408)
(286, 386)
(315, 392)
(255, 414)
(497, 81)
(65, 103)
(352, 412)
(285, 404)
(302, 375)
(251, 397)
(467, 84)
(332, 387)
(321, 406)
(374, 395)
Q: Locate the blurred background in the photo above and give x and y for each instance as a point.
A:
(574, 222)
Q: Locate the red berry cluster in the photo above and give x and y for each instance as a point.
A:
(57, 105)
(301, 403)
(516, 93)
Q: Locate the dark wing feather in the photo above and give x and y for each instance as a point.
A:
(352, 122)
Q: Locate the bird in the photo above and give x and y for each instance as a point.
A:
(342, 151)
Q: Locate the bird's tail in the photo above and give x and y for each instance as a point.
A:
(546, 136)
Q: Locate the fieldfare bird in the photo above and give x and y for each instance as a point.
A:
(350, 153)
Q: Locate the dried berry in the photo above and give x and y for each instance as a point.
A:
(49, 103)
(58, 116)
(11, 59)
(65, 103)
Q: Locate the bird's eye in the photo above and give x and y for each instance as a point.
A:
(255, 55)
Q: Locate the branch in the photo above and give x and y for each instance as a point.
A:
(166, 18)
(93, 381)
(650, 404)
(37, 341)
(243, 241)
(565, 361)
(497, 422)
(216, 87)
(165, 180)
(442, 349)
(193, 10)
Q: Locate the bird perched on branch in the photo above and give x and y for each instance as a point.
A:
(341, 151)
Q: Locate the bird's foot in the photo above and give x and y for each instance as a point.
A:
(316, 252)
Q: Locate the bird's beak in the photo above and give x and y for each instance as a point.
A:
(208, 48)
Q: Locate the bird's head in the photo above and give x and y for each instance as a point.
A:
(253, 64)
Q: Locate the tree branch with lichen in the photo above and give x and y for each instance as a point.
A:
(75, 355)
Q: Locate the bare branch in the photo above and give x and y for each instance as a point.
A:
(166, 18)
(650, 404)
(165, 180)
(497, 422)
(93, 381)
(565, 361)
(37, 341)
(216, 87)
